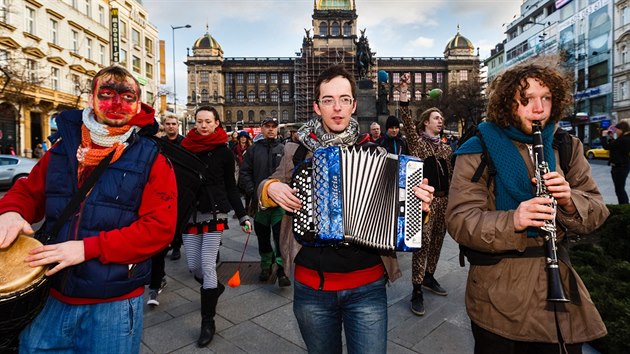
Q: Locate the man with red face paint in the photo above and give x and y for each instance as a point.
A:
(99, 262)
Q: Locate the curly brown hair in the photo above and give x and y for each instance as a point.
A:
(502, 101)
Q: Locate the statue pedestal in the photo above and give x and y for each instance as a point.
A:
(366, 104)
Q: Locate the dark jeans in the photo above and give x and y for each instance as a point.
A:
(488, 342)
(157, 269)
(619, 175)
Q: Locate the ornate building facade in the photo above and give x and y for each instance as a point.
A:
(244, 90)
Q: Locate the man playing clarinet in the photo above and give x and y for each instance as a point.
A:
(500, 219)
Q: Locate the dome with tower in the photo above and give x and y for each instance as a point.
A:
(334, 5)
(207, 45)
(459, 45)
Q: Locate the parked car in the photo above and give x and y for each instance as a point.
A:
(597, 153)
(13, 168)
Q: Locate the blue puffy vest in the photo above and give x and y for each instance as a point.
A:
(112, 204)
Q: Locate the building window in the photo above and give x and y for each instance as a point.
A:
(438, 78)
(148, 45)
(101, 54)
(148, 70)
(598, 74)
(396, 95)
(463, 75)
(625, 15)
(4, 57)
(228, 96)
(101, 15)
(240, 96)
(239, 116)
(274, 96)
(240, 78)
(335, 29)
(150, 97)
(89, 48)
(54, 78)
(285, 116)
(4, 11)
(251, 96)
(250, 116)
(54, 31)
(88, 8)
(204, 95)
(262, 114)
(285, 78)
(123, 57)
(29, 20)
(428, 78)
(323, 28)
(347, 29)
(75, 41)
(76, 85)
(417, 95)
(623, 90)
(31, 65)
(204, 76)
(263, 96)
(624, 54)
(285, 96)
(123, 29)
(135, 37)
(417, 78)
(274, 113)
(251, 78)
(262, 78)
(274, 78)
(136, 64)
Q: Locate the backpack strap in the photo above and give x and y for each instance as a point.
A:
(563, 142)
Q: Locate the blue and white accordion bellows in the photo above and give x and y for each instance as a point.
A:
(359, 195)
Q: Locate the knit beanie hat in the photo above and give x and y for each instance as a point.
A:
(392, 121)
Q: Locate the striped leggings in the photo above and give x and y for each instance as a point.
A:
(201, 255)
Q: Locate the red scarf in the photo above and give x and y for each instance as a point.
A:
(196, 142)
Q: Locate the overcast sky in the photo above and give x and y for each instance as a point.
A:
(275, 28)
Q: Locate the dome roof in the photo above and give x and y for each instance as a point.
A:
(207, 42)
(335, 5)
(459, 42)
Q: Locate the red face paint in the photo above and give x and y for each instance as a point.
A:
(115, 102)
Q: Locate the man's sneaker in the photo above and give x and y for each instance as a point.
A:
(431, 284)
(417, 302)
(162, 285)
(283, 280)
(153, 298)
(176, 254)
(265, 274)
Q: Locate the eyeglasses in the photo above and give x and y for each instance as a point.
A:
(343, 101)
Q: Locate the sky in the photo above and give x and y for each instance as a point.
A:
(275, 28)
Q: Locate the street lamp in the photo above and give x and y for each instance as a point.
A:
(175, 71)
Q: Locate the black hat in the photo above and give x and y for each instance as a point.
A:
(266, 120)
(392, 121)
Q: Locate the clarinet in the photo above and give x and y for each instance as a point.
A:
(555, 293)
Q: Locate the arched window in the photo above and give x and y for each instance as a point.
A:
(251, 96)
(194, 96)
(274, 96)
(323, 29)
(204, 95)
(240, 96)
(250, 116)
(285, 116)
(262, 114)
(285, 96)
(239, 115)
(228, 116)
(263, 96)
(347, 29)
(335, 29)
(274, 113)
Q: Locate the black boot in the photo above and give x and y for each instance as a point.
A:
(431, 284)
(417, 300)
(209, 298)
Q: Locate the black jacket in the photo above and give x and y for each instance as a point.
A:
(259, 162)
(220, 182)
(177, 141)
(619, 150)
(394, 145)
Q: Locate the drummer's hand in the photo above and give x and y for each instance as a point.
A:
(11, 225)
(425, 192)
(63, 254)
(284, 196)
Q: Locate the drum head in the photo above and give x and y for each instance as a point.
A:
(15, 274)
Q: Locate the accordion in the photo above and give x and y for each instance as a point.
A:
(359, 195)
